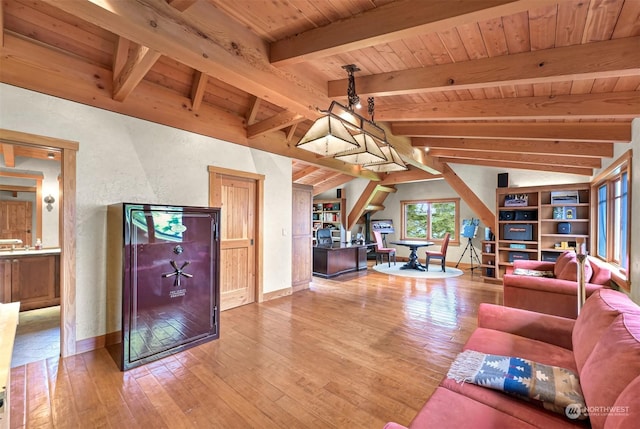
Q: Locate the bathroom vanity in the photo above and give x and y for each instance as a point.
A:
(31, 277)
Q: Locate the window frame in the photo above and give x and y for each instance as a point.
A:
(454, 238)
(609, 177)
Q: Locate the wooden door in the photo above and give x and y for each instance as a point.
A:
(15, 220)
(301, 235)
(237, 198)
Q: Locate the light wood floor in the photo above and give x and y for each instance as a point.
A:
(349, 353)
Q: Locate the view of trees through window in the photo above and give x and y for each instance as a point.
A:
(429, 220)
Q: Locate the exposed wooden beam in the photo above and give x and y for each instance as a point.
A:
(567, 131)
(333, 182)
(361, 204)
(9, 155)
(254, 106)
(527, 158)
(519, 165)
(205, 39)
(198, 87)
(623, 105)
(181, 5)
(375, 207)
(485, 215)
(611, 58)
(274, 123)
(304, 172)
(521, 146)
(1, 24)
(291, 131)
(134, 70)
(120, 55)
(409, 176)
(23, 63)
(394, 21)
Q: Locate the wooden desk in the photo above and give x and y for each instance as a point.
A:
(336, 258)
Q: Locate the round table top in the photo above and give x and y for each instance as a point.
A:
(412, 243)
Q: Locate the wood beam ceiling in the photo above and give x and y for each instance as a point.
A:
(391, 22)
(583, 171)
(621, 105)
(560, 131)
(274, 123)
(198, 88)
(525, 158)
(613, 58)
(135, 68)
(485, 215)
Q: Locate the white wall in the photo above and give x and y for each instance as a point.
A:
(122, 159)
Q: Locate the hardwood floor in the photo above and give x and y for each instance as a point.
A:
(353, 352)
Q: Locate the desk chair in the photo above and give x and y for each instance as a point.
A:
(441, 254)
(323, 236)
(381, 250)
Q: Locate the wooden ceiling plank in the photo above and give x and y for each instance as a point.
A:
(518, 165)
(9, 155)
(570, 161)
(304, 172)
(612, 58)
(334, 183)
(589, 149)
(388, 23)
(274, 123)
(205, 39)
(621, 105)
(606, 132)
(134, 70)
(198, 88)
(485, 215)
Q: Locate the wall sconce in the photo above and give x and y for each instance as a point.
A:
(49, 200)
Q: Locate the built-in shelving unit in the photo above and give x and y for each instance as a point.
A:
(536, 223)
(328, 214)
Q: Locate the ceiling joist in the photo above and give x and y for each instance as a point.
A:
(274, 123)
(519, 165)
(526, 158)
(612, 58)
(133, 71)
(198, 88)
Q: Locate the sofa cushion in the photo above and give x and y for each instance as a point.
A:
(446, 409)
(612, 366)
(598, 312)
(626, 412)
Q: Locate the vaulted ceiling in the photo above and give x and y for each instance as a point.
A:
(545, 85)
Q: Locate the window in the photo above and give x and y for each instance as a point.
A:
(430, 219)
(612, 213)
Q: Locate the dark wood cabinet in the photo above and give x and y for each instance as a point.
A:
(163, 279)
(336, 259)
(32, 279)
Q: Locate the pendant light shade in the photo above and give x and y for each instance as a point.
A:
(328, 136)
(369, 152)
(394, 162)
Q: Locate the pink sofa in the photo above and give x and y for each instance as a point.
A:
(557, 295)
(602, 346)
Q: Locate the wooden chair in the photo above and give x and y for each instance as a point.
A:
(381, 250)
(441, 254)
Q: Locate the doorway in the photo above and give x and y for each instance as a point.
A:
(66, 152)
(239, 194)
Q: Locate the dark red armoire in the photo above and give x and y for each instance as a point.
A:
(163, 279)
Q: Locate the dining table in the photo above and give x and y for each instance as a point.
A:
(413, 263)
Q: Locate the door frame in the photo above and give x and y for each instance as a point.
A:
(259, 221)
(67, 228)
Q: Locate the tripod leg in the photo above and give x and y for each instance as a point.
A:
(465, 251)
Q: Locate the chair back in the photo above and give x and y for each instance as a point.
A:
(323, 236)
(379, 243)
(445, 243)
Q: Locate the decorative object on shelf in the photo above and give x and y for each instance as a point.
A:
(564, 228)
(565, 197)
(516, 200)
(569, 213)
(49, 200)
(348, 136)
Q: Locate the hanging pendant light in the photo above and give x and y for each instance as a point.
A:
(393, 163)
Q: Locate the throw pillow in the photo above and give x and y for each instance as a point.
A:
(556, 389)
(532, 273)
(570, 271)
(562, 261)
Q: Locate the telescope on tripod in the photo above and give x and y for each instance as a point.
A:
(469, 230)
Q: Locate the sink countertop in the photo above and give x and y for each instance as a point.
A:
(8, 253)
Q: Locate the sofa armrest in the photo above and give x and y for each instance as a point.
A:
(537, 326)
(534, 265)
(551, 285)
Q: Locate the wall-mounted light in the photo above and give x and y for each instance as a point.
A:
(49, 200)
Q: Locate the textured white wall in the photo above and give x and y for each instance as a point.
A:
(122, 159)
